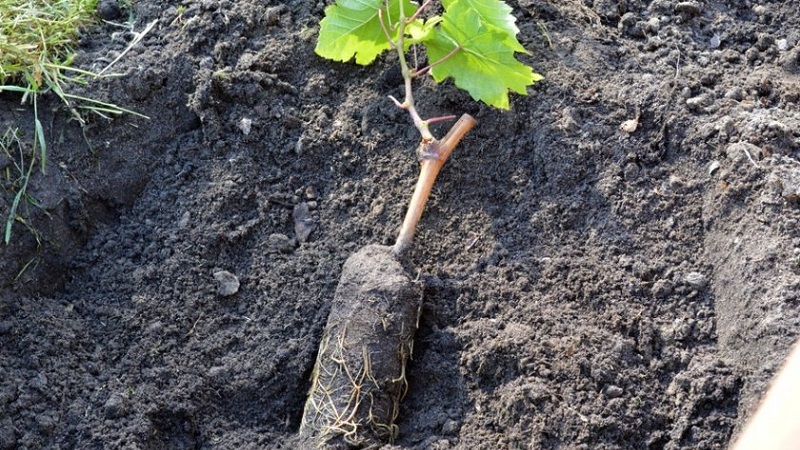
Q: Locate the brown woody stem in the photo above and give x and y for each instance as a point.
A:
(432, 157)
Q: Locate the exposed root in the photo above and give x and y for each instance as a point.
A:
(359, 376)
(348, 409)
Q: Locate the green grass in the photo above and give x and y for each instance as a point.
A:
(37, 39)
(37, 49)
(36, 46)
(15, 175)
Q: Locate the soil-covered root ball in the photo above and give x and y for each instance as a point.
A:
(359, 377)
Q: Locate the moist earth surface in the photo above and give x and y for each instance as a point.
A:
(612, 264)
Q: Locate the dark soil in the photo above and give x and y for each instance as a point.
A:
(585, 287)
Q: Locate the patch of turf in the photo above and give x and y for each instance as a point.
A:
(37, 42)
(37, 38)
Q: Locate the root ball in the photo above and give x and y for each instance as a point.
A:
(359, 376)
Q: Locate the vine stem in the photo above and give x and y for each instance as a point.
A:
(419, 10)
(408, 75)
(408, 103)
(385, 30)
(434, 64)
(432, 155)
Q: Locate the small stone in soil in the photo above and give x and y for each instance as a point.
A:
(698, 103)
(450, 427)
(790, 185)
(115, 407)
(662, 288)
(652, 25)
(304, 224)
(227, 283)
(245, 124)
(696, 280)
(311, 193)
(630, 125)
(688, 9)
(612, 391)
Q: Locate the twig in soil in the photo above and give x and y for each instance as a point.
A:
(474, 241)
(746, 152)
(194, 325)
(583, 418)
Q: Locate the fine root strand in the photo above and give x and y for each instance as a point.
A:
(342, 390)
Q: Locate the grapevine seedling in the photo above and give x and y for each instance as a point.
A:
(359, 376)
(474, 42)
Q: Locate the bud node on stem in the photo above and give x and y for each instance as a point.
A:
(428, 150)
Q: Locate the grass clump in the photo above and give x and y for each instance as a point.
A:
(37, 38)
(37, 50)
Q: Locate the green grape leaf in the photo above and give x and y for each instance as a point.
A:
(485, 65)
(495, 13)
(420, 31)
(352, 28)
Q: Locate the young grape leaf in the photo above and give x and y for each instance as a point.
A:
(420, 31)
(484, 65)
(495, 13)
(352, 28)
